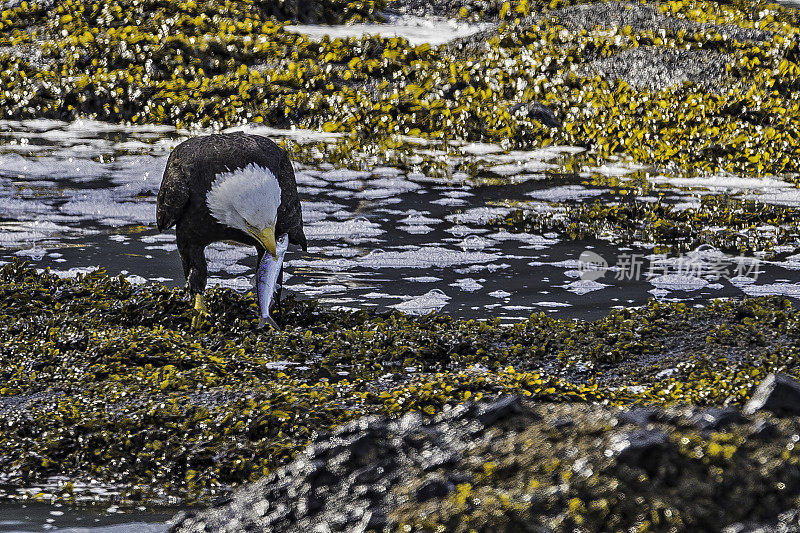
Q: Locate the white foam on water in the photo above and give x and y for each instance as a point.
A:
(678, 282)
(584, 286)
(27, 233)
(460, 230)
(474, 242)
(239, 284)
(425, 257)
(449, 202)
(775, 289)
(314, 211)
(296, 134)
(535, 241)
(71, 272)
(158, 237)
(341, 251)
(35, 253)
(103, 207)
(416, 230)
(42, 124)
(433, 300)
(168, 246)
(416, 30)
(306, 178)
(566, 192)
(618, 169)
(478, 215)
(481, 148)
(552, 304)
(492, 267)
(386, 171)
(375, 294)
(530, 167)
(423, 279)
(499, 294)
(356, 228)
(457, 194)
(26, 208)
(15, 165)
(138, 174)
(316, 290)
(342, 175)
(787, 197)
(388, 196)
(467, 284)
(418, 218)
(723, 181)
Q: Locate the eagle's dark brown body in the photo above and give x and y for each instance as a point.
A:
(191, 170)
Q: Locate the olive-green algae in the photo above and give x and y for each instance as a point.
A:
(217, 64)
(110, 382)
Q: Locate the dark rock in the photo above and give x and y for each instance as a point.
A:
(787, 522)
(765, 430)
(563, 422)
(778, 394)
(537, 111)
(500, 409)
(638, 416)
(434, 487)
(641, 449)
(717, 418)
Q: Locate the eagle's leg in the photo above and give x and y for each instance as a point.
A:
(196, 272)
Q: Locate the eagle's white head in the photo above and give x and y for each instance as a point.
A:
(247, 199)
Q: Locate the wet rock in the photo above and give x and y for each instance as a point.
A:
(416, 484)
(345, 480)
(641, 449)
(655, 69)
(764, 429)
(434, 487)
(563, 422)
(642, 17)
(638, 416)
(718, 418)
(787, 522)
(778, 394)
(536, 111)
(503, 408)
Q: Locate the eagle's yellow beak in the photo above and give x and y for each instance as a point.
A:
(267, 238)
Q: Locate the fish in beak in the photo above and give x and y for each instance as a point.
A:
(267, 278)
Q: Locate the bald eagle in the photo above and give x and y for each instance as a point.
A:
(235, 187)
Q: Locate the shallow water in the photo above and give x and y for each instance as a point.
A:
(81, 195)
(37, 517)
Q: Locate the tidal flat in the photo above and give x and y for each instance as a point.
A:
(642, 255)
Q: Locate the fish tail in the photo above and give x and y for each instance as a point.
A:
(268, 320)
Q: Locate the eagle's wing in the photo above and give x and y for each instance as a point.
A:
(173, 194)
(292, 215)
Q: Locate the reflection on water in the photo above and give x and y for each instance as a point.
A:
(80, 195)
(37, 517)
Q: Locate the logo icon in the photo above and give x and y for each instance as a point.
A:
(591, 266)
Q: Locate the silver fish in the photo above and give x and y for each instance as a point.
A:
(266, 279)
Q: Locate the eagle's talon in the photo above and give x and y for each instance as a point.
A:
(200, 305)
